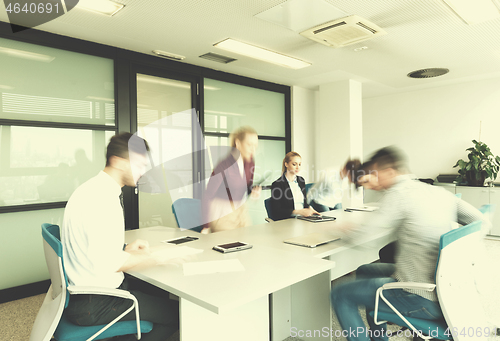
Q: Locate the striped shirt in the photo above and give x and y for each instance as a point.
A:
(419, 214)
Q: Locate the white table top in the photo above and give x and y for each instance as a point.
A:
(269, 266)
(273, 234)
(267, 270)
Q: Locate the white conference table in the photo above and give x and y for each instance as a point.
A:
(284, 287)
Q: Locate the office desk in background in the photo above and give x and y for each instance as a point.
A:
(283, 286)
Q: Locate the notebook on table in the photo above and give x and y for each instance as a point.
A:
(316, 218)
(312, 240)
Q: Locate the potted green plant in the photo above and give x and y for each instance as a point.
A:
(482, 165)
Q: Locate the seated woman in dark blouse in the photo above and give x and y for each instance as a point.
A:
(288, 193)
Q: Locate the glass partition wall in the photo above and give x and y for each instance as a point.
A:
(59, 108)
(180, 167)
(165, 120)
(57, 113)
(229, 106)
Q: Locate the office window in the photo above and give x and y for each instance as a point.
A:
(57, 115)
(229, 106)
(40, 165)
(45, 84)
(268, 158)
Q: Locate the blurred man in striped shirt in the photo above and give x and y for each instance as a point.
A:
(418, 214)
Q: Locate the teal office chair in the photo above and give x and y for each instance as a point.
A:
(187, 213)
(267, 205)
(308, 186)
(488, 210)
(51, 321)
(456, 290)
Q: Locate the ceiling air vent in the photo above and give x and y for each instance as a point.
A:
(217, 58)
(428, 73)
(344, 31)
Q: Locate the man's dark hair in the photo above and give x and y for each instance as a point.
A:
(390, 157)
(121, 144)
(352, 166)
(351, 169)
(363, 169)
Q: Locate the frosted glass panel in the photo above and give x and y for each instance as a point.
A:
(44, 84)
(164, 119)
(46, 164)
(23, 246)
(268, 158)
(229, 106)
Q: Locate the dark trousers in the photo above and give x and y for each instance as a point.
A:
(154, 306)
(387, 254)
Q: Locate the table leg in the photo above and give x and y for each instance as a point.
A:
(249, 322)
(281, 314)
(311, 312)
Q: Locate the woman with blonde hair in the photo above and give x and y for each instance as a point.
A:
(288, 193)
(230, 183)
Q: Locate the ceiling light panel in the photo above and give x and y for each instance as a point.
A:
(261, 54)
(105, 7)
(473, 12)
(168, 55)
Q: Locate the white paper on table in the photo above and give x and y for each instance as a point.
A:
(210, 267)
(176, 252)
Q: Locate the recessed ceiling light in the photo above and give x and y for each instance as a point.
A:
(105, 7)
(428, 73)
(168, 55)
(261, 54)
(361, 48)
(473, 12)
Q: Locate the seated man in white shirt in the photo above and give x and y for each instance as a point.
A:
(92, 236)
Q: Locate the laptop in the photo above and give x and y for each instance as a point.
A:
(312, 240)
(316, 218)
(362, 208)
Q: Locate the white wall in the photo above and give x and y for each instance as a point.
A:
(332, 132)
(434, 126)
(304, 104)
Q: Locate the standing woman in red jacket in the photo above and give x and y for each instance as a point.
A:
(231, 183)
